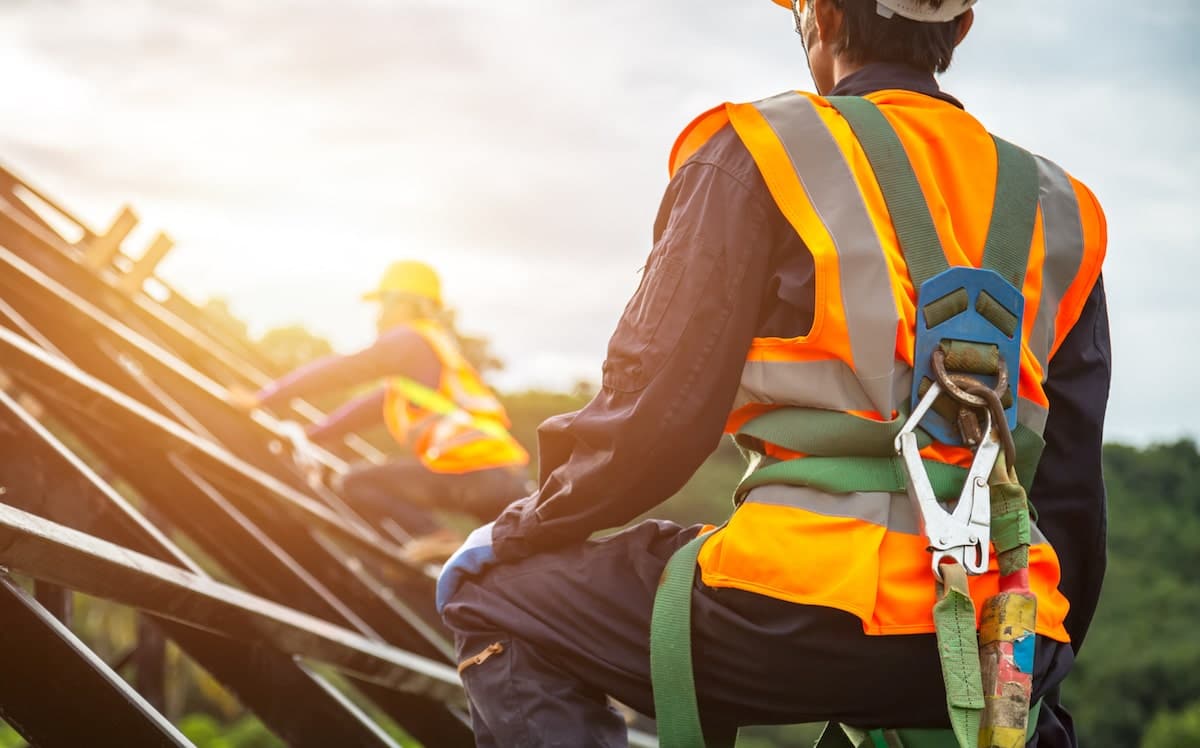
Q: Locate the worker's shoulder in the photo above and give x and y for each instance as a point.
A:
(710, 143)
(1091, 213)
(711, 139)
(401, 342)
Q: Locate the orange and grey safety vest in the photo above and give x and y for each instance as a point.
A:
(458, 428)
(862, 551)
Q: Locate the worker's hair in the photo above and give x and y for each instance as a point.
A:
(869, 37)
(403, 307)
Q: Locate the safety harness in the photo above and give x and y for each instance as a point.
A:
(966, 366)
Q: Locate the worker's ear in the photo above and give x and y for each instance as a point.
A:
(965, 21)
(828, 18)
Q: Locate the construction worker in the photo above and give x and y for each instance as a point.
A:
(782, 284)
(432, 401)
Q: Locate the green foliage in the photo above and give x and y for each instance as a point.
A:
(708, 496)
(10, 738)
(1174, 729)
(528, 409)
(785, 736)
(293, 346)
(221, 317)
(1142, 655)
(247, 732)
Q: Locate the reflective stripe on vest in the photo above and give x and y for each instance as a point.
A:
(459, 427)
(891, 511)
(1062, 229)
(865, 309)
(861, 552)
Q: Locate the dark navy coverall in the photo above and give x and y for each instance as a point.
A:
(574, 615)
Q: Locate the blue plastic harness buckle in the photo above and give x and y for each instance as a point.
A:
(966, 295)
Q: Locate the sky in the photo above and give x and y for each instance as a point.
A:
(293, 149)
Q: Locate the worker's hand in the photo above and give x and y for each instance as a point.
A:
(241, 398)
(473, 558)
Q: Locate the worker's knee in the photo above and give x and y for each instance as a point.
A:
(485, 665)
(473, 607)
(511, 686)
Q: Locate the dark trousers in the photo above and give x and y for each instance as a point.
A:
(574, 626)
(404, 490)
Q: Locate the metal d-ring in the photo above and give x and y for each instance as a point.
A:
(959, 386)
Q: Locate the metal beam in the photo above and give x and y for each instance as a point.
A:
(58, 554)
(25, 356)
(49, 674)
(143, 267)
(191, 337)
(292, 701)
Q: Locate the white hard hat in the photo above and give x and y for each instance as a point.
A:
(922, 11)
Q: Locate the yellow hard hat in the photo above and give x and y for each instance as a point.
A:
(911, 9)
(407, 278)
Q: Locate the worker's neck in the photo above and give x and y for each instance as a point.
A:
(843, 68)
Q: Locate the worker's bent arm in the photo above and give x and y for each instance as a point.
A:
(399, 352)
(1068, 489)
(673, 368)
(360, 413)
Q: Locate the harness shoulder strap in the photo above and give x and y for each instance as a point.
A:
(1014, 213)
(901, 191)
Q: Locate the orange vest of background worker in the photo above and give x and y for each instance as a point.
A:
(433, 402)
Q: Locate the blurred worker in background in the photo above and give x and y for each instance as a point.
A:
(432, 401)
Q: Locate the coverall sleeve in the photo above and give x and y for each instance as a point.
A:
(1068, 488)
(360, 413)
(400, 352)
(671, 374)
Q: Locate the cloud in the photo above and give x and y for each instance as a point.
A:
(294, 148)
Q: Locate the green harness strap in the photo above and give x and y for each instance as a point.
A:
(850, 472)
(676, 709)
(1014, 211)
(1010, 234)
(958, 650)
(906, 202)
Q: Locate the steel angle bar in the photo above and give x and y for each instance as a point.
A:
(151, 314)
(280, 560)
(49, 673)
(296, 704)
(10, 179)
(19, 323)
(58, 554)
(43, 366)
(309, 582)
(87, 313)
(41, 467)
(639, 739)
(247, 547)
(440, 728)
(161, 386)
(411, 623)
(413, 603)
